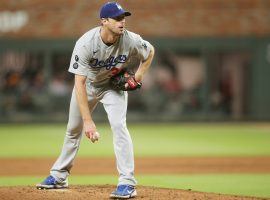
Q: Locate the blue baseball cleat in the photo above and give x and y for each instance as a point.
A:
(51, 183)
(124, 192)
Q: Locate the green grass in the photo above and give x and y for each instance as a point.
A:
(149, 140)
(43, 140)
(244, 184)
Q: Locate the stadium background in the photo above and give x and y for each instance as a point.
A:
(212, 64)
(212, 59)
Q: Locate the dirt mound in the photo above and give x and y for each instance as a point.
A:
(102, 192)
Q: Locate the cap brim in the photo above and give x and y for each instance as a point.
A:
(121, 13)
(127, 13)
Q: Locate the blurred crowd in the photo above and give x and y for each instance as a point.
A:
(22, 81)
(27, 86)
(175, 86)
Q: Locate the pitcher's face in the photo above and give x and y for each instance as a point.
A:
(115, 25)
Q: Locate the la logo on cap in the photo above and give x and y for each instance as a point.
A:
(119, 7)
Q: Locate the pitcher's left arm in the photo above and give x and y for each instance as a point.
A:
(143, 68)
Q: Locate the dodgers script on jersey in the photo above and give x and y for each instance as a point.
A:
(94, 59)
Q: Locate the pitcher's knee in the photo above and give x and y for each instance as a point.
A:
(118, 126)
(73, 129)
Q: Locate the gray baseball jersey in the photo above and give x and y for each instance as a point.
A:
(93, 58)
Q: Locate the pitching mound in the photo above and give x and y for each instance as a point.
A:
(102, 192)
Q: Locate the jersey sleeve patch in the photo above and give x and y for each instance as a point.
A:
(79, 63)
(142, 48)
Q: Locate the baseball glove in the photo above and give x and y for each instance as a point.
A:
(124, 80)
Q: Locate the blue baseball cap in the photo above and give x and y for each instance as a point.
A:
(111, 10)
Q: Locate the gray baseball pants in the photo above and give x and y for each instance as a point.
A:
(115, 105)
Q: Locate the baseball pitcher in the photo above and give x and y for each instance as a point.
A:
(100, 64)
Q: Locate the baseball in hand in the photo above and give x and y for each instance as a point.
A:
(95, 137)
